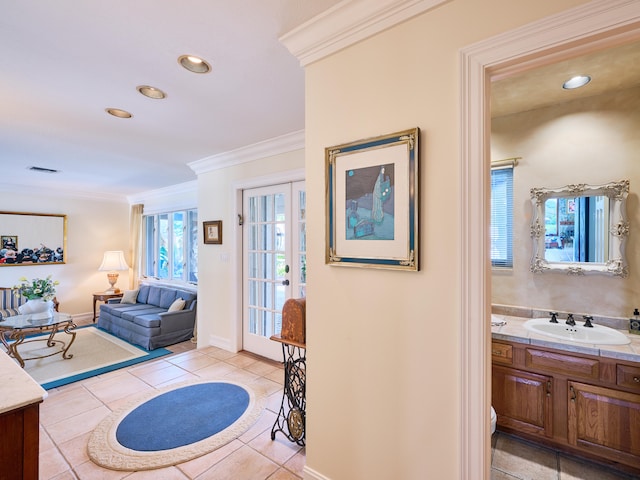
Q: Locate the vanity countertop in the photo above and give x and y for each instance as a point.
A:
(514, 331)
(17, 388)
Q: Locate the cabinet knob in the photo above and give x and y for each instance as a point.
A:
(636, 379)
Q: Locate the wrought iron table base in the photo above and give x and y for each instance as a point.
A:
(19, 339)
(291, 417)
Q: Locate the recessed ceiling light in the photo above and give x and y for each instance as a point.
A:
(194, 64)
(151, 92)
(576, 82)
(117, 112)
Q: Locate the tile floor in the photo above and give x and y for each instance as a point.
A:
(70, 413)
(516, 459)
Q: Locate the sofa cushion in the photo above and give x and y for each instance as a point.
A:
(131, 315)
(167, 297)
(143, 293)
(150, 320)
(129, 296)
(177, 305)
(188, 297)
(118, 308)
(154, 296)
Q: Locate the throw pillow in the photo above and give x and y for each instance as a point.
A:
(129, 296)
(178, 304)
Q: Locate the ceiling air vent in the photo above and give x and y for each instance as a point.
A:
(43, 170)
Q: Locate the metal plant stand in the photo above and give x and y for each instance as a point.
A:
(291, 417)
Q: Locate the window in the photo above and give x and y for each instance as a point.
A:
(171, 246)
(502, 216)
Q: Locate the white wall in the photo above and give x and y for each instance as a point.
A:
(383, 346)
(219, 266)
(592, 141)
(93, 227)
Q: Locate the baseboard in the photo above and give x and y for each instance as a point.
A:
(83, 318)
(220, 342)
(310, 474)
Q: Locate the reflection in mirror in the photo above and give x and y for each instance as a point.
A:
(32, 238)
(580, 229)
(576, 229)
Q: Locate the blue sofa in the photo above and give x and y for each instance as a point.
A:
(147, 322)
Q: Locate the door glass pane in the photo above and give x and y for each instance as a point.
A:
(302, 244)
(192, 275)
(281, 263)
(267, 209)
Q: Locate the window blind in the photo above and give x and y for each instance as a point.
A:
(502, 215)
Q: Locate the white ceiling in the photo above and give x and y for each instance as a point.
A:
(63, 62)
(611, 69)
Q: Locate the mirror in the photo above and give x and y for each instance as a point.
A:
(32, 239)
(580, 229)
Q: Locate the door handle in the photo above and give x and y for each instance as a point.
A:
(285, 282)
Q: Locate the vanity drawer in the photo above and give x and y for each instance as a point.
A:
(501, 353)
(551, 362)
(628, 377)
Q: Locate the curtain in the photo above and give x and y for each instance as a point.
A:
(135, 247)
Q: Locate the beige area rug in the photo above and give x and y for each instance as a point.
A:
(105, 450)
(94, 352)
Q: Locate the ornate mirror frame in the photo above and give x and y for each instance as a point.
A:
(616, 265)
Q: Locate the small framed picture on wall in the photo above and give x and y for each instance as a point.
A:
(212, 232)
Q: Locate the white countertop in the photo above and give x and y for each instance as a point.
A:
(514, 331)
(17, 388)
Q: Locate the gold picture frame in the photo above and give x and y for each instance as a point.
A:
(373, 202)
(212, 232)
(43, 239)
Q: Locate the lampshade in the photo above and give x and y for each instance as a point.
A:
(113, 261)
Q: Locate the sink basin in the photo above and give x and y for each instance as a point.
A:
(598, 335)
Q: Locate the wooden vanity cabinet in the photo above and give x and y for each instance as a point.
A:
(533, 411)
(587, 405)
(605, 421)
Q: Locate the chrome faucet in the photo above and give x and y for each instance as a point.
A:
(570, 320)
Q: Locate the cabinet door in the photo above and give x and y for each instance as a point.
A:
(523, 400)
(605, 420)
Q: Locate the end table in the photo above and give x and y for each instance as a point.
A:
(103, 297)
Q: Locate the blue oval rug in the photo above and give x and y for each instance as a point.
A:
(158, 425)
(175, 424)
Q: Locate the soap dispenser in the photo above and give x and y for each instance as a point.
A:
(634, 323)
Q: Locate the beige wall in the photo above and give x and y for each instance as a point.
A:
(591, 141)
(383, 346)
(93, 226)
(219, 267)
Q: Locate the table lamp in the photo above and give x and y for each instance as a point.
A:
(113, 262)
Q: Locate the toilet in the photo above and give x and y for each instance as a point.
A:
(494, 419)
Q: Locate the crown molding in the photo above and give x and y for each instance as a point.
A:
(256, 151)
(349, 22)
(184, 190)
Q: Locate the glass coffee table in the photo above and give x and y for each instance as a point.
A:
(19, 329)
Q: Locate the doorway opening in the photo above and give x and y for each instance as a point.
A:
(595, 25)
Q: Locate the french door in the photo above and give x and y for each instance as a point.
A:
(274, 261)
